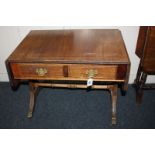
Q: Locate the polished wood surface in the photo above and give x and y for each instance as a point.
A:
(141, 41)
(72, 46)
(146, 52)
(70, 55)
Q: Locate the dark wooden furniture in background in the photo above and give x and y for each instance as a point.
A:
(68, 58)
(146, 52)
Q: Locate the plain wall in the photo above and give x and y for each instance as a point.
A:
(11, 36)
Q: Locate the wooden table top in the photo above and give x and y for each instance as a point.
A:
(72, 46)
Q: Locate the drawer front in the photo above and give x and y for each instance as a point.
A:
(36, 71)
(67, 72)
(98, 72)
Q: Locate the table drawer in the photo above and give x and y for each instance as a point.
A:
(37, 71)
(98, 72)
(67, 71)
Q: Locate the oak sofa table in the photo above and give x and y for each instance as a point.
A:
(94, 59)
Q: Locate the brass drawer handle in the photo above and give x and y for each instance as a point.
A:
(41, 71)
(91, 73)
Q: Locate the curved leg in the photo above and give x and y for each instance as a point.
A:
(33, 90)
(113, 91)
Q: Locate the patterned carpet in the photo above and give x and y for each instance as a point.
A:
(74, 109)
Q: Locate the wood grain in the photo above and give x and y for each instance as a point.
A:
(72, 46)
(70, 71)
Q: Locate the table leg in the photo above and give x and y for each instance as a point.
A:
(113, 91)
(138, 76)
(140, 84)
(33, 91)
(124, 88)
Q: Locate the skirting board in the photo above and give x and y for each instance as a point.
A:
(150, 79)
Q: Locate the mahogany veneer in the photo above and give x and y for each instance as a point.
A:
(65, 57)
